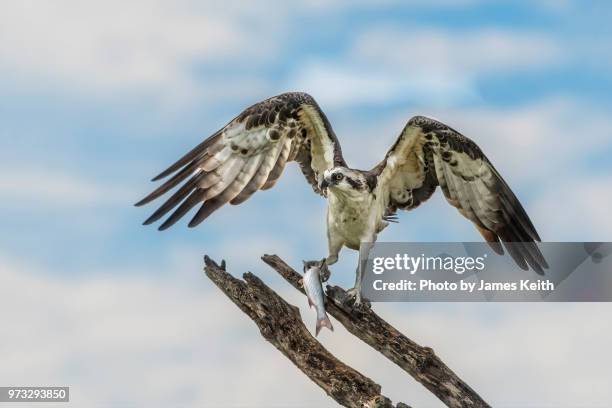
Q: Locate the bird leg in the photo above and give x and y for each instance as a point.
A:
(355, 292)
(333, 249)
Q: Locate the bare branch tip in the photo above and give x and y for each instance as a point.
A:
(209, 262)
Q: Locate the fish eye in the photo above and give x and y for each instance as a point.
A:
(337, 177)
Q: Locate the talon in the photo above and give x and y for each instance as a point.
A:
(325, 273)
(353, 297)
(355, 300)
(301, 283)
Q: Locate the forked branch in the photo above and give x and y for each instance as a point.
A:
(280, 323)
(418, 361)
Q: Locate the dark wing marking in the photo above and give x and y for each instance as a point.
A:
(428, 154)
(247, 155)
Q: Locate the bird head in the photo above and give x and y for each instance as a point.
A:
(343, 179)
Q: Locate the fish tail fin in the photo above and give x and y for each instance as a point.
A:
(324, 322)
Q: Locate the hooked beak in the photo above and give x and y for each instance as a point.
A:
(324, 184)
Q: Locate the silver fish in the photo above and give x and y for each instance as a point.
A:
(313, 271)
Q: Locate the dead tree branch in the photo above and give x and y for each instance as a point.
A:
(418, 361)
(280, 323)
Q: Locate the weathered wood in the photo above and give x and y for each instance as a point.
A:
(418, 361)
(280, 323)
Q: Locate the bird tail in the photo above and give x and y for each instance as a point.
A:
(324, 322)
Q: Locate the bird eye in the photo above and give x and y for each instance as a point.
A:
(337, 177)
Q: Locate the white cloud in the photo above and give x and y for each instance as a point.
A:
(242, 251)
(344, 84)
(154, 48)
(518, 354)
(116, 46)
(424, 66)
(133, 341)
(333, 5)
(56, 189)
(467, 53)
(576, 209)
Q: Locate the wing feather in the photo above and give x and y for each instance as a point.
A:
(249, 154)
(277, 171)
(258, 179)
(176, 198)
(171, 183)
(429, 153)
(249, 188)
(191, 201)
(191, 155)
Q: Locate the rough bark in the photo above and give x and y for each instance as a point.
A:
(418, 361)
(280, 323)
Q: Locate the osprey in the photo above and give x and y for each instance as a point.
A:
(251, 151)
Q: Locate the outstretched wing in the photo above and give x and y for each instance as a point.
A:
(247, 155)
(428, 154)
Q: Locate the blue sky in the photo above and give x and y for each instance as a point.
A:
(99, 97)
